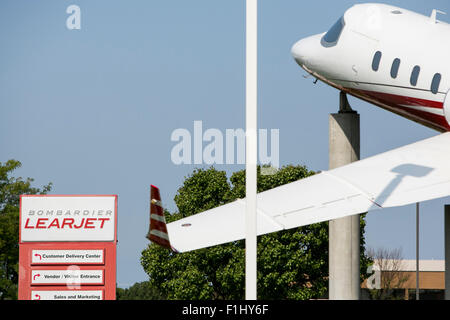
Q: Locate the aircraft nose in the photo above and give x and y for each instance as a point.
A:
(298, 51)
(305, 50)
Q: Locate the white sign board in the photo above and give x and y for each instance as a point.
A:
(67, 218)
(67, 256)
(67, 295)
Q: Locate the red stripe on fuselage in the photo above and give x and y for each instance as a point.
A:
(436, 119)
(397, 99)
(394, 103)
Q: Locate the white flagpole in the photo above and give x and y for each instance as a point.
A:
(251, 148)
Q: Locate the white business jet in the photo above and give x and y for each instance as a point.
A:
(391, 57)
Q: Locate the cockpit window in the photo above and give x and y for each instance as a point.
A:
(332, 36)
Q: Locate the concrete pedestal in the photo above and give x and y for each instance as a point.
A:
(344, 233)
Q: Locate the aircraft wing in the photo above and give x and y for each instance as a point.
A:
(410, 174)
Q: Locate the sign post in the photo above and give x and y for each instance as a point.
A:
(67, 247)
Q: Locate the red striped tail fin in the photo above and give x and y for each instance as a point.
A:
(158, 229)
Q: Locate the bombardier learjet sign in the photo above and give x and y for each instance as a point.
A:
(388, 56)
(67, 219)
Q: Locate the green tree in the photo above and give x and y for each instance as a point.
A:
(10, 190)
(292, 264)
(139, 291)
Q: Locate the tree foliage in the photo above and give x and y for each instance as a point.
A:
(139, 291)
(292, 264)
(10, 190)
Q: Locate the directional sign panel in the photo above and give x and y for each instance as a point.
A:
(59, 257)
(66, 295)
(70, 277)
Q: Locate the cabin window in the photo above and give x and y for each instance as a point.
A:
(414, 75)
(376, 61)
(435, 83)
(332, 36)
(394, 68)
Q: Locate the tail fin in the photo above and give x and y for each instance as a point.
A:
(158, 229)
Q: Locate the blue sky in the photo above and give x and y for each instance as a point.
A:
(92, 110)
